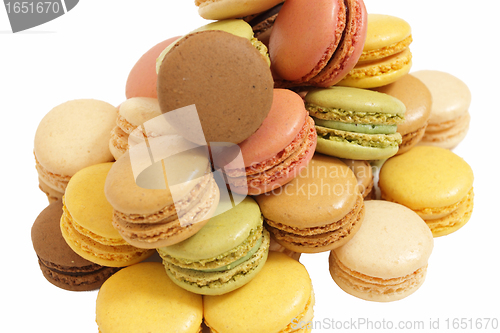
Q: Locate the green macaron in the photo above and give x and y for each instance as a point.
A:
(224, 255)
(355, 123)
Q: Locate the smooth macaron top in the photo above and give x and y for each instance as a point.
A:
(225, 9)
(426, 177)
(393, 241)
(150, 191)
(86, 203)
(416, 98)
(141, 81)
(267, 304)
(302, 35)
(138, 110)
(384, 31)
(142, 298)
(231, 105)
(355, 100)
(48, 242)
(451, 97)
(222, 232)
(328, 187)
(283, 123)
(74, 135)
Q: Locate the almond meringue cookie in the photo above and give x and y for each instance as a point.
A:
(226, 9)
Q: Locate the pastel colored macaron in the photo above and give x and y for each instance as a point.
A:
(277, 247)
(386, 55)
(227, 9)
(165, 202)
(70, 137)
(262, 23)
(449, 120)
(277, 151)
(141, 298)
(434, 182)
(86, 222)
(59, 264)
(132, 113)
(316, 43)
(141, 81)
(418, 102)
(364, 174)
(332, 215)
(355, 123)
(227, 253)
(279, 299)
(238, 98)
(387, 258)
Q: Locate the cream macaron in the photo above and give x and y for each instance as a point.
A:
(387, 258)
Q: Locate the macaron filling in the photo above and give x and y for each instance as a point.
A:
(361, 139)
(386, 51)
(349, 116)
(358, 128)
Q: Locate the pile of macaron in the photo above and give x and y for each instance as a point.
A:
(279, 128)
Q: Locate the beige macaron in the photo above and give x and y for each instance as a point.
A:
(364, 174)
(450, 118)
(165, 202)
(70, 137)
(387, 258)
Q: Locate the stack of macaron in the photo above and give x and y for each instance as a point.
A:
(229, 150)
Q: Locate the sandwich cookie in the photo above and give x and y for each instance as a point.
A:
(60, 265)
(387, 258)
(418, 102)
(86, 222)
(386, 55)
(227, 253)
(262, 23)
(316, 43)
(227, 9)
(70, 137)
(277, 151)
(279, 299)
(239, 97)
(432, 181)
(364, 174)
(450, 118)
(141, 298)
(355, 123)
(166, 203)
(333, 214)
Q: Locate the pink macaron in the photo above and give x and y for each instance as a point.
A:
(278, 150)
(317, 42)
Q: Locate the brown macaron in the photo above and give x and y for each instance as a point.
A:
(319, 210)
(225, 77)
(418, 101)
(60, 265)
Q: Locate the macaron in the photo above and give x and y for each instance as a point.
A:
(141, 298)
(387, 258)
(449, 120)
(364, 174)
(70, 137)
(59, 264)
(141, 81)
(277, 151)
(86, 222)
(432, 181)
(316, 43)
(132, 113)
(238, 98)
(386, 54)
(227, 9)
(262, 23)
(161, 203)
(332, 215)
(277, 247)
(227, 253)
(279, 299)
(355, 123)
(418, 102)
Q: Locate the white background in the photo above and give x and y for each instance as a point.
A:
(89, 52)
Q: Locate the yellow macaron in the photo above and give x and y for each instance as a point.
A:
(86, 223)
(432, 181)
(141, 298)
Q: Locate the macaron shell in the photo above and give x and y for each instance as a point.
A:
(384, 31)
(226, 9)
(449, 137)
(141, 81)
(74, 135)
(151, 303)
(137, 110)
(52, 194)
(287, 287)
(426, 177)
(354, 151)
